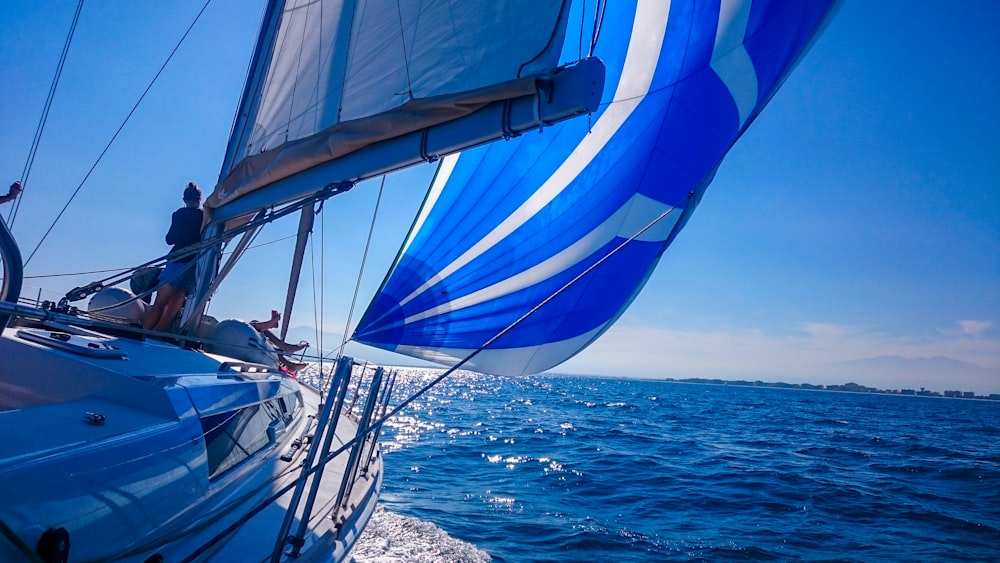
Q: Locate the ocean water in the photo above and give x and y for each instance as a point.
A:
(556, 468)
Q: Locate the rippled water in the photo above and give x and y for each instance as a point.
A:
(589, 469)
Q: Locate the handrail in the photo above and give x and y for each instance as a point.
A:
(343, 374)
(350, 470)
(338, 399)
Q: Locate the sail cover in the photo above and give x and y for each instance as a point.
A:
(506, 226)
(337, 75)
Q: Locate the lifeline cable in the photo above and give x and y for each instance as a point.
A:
(514, 324)
(381, 420)
(130, 268)
(78, 293)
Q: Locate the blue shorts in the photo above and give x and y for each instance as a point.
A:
(178, 275)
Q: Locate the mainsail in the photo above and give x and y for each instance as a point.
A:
(343, 90)
(584, 210)
(333, 77)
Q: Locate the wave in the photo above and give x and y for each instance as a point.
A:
(392, 538)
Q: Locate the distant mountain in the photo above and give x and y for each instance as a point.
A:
(896, 372)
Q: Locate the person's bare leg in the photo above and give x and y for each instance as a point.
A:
(152, 315)
(175, 300)
(290, 365)
(279, 343)
(270, 324)
(155, 312)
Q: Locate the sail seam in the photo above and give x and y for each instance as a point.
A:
(445, 169)
(619, 222)
(730, 59)
(406, 58)
(563, 288)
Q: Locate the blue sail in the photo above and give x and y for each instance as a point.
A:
(568, 224)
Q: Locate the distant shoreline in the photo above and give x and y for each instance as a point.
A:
(844, 388)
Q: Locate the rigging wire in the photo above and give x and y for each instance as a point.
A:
(78, 293)
(42, 276)
(129, 268)
(322, 295)
(318, 337)
(225, 236)
(12, 214)
(120, 128)
(371, 426)
(514, 324)
(361, 269)
(599, 11)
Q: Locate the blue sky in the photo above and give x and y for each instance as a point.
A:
(852, 234)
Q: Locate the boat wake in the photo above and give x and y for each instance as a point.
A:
(392, 537)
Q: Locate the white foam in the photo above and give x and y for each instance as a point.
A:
(392, 537)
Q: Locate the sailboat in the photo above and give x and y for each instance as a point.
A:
(121, 444)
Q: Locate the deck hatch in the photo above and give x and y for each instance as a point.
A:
(84, 345)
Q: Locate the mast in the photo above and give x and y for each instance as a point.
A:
(302, 236)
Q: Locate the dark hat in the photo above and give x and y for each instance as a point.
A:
(192, 192)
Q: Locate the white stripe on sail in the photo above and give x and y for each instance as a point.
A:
(629, 219)
(730, 59)
(508, 361)
(444, 171)
(648, 30)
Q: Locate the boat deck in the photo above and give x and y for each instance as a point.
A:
(112, 446)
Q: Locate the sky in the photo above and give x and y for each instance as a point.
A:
(852, 234)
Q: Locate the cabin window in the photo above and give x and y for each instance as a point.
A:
(234, 436)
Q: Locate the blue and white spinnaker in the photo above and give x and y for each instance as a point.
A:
(506, 226)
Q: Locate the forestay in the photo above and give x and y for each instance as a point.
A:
(334, 76)
(506, 226)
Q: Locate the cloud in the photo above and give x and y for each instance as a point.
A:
(974, 329)
(804, 353)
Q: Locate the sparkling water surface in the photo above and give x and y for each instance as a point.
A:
(558, 468)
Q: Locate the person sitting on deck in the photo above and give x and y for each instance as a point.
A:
(265, 328)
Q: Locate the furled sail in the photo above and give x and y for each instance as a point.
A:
(334, 76)
(506, 226)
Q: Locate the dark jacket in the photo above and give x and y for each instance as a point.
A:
(185, 230)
